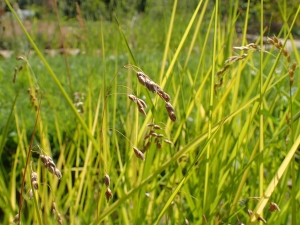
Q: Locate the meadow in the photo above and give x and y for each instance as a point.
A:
(169, 117)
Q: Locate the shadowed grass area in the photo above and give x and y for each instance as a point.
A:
(231, 156)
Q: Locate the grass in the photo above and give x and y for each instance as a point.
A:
(234, 144)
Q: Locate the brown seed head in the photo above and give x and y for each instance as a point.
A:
(261, 219)
(132, 98)
(30, 194)
(108, 194)
(139, 154)
(141, 110)
(273, 207)
(156, 127)
(172, 116)
(57, 173)
(106, 180)
(141, 103)
(167, 141)
(270, 41)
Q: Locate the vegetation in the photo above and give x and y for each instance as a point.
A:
(165, 117)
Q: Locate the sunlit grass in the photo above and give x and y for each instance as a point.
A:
(226, 127)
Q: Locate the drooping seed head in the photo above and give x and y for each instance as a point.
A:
(108, 194)
(139, 154)
(30, 194)
(167, 141)
(57, 173)
(156, 127)
(147, 145)
(141, 110)
(132, 98)
(172, 116)
(273, 207)
(169, 107)
(141, 103)
(259, 218)
(106, 180)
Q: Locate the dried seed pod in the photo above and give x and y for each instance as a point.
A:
(106, 180)
(285, 52)
(108, 194)
(275, 39)
(291, 73)
(150, 124)
(273, 207)
(139, 154)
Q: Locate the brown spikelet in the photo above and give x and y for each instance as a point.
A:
(259, 218)
(108, 194)
(139, 154)
(141, 103)
(30, 194)
(147, 145)
(34, 180)
(167, 141)
(106, 180)
(142, 111)
(156, 127)
(171, 111)
(274, 207)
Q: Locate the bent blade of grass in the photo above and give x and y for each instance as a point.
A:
(272, 185)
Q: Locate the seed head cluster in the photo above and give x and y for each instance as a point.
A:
(50, 165)
(154, 135)
(108, 193)
(155, 88)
